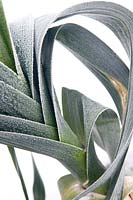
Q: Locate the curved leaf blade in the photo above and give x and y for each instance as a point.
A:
(84, 45)
(73, 158)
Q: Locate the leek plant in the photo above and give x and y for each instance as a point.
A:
(30, 115)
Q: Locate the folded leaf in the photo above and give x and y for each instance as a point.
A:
(86, 46)
(52, 110)
(110, 70)
(81, 112)
(110, 132)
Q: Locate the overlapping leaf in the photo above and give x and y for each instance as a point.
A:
(55, 149)
(22, 118)
(79, 109)
(114, 75)
(81, 9)
(15, 103)
(22, 33)
(9, 77)
(15, 124)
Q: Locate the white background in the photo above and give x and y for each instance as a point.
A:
(68, 72)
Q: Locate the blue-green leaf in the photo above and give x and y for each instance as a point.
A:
(38, 186)
(73, 158)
